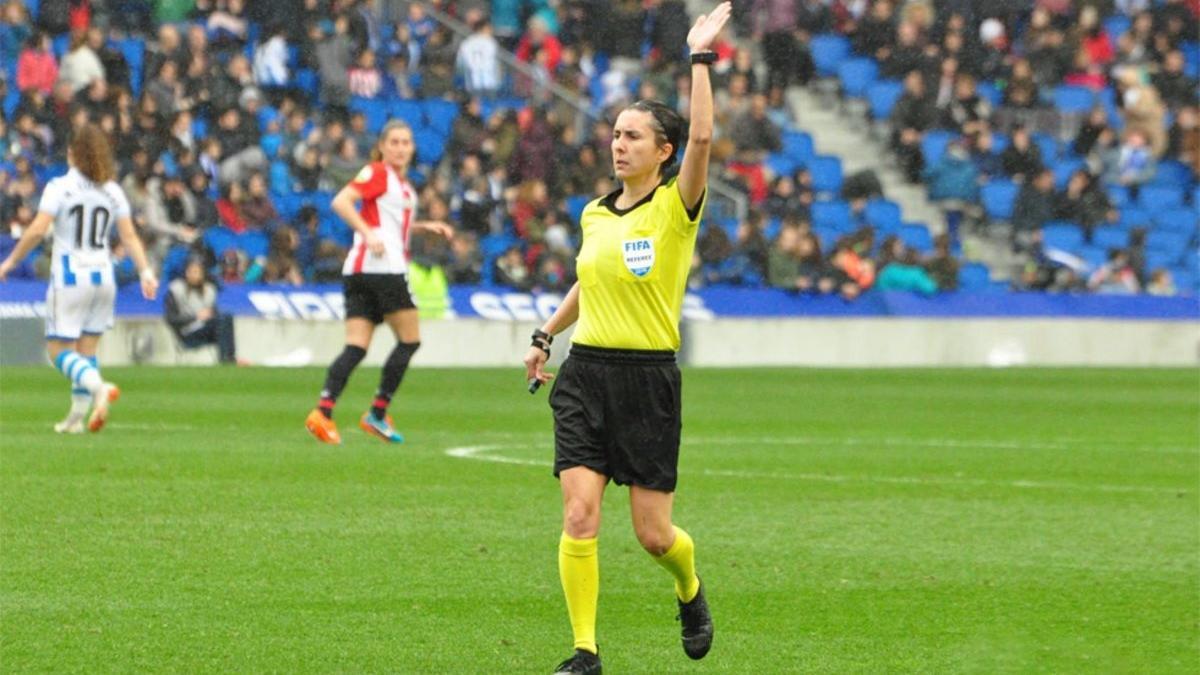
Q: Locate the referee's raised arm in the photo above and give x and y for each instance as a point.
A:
(693, 171)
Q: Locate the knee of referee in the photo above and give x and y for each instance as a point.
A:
(581, 517)
(655, 539)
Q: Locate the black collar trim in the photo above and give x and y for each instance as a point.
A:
(610, 200)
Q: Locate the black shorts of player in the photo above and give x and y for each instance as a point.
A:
(617, 412)
(373, 296)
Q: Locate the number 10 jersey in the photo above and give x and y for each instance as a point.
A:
(85, 214)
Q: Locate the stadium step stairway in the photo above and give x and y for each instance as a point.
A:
(836, 135)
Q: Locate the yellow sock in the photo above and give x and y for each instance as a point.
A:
(680, 561)
(579, 569)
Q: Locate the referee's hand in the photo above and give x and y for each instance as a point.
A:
(535, 360)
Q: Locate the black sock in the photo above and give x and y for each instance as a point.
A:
(337, 375)
(393, 374)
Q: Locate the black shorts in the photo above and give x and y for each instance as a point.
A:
(373, 296)
(617, 412)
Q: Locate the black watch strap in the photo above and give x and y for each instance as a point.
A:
(704, 58)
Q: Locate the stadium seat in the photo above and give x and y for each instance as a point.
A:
(1116, 26)
(430, 145)
(1182, 220)
(1191, 58)
(934, 143)
(1110, 237)
(1155, 198)
(375, 111)
(1132, 216)
(1094, 256)
(1063, 236)
(884, 215)
(1063, 169)
(1163, 240)
(409, 111)
(882, 97)
(916, 236)
(1047, 145)
(440, 114)
(1172, 173)
(11, 100)
(1158, 258)
(780, 164)
(828, 237)
(997, 198)
(134, 51)
(254, 243)
(306, 80)
(1071, 99)
(220, 238)
(856, 75)
(828, 52)
(1185, 280)
(834, 215)
(575, 206)
(990, 93)
(974, 277)
(495, 244)
(798, 145)
(1118, 195)
(826, 171)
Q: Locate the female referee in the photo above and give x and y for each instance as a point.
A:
(616, 401)
(81, 206)
(374, 280)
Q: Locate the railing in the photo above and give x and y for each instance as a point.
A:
(521, 80)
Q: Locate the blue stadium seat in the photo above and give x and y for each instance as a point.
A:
(856, 75)
(1110, 237)
(11, 100)
(1063, 169)
(134, 51)
(974, 277)
(575, 206)
(828, 51)
(1155, 198)
(997, 198)
(1161, 258)
(1094, 256)
(834, 215)
(409, 111)
(1063, 236)
(430, 145)
(780, 164)
(798, 145)
(1172, 173)
(495, 244)
(219, 238)
(828, 237)
(440, 114)
(254, 244)
(1171, 244)
(1132, 216)
(990, 93)
(1116, 26)
(882, 97)
(375, 111)
(60, 44)
(1191, 58)
(1047, 145)
(916, 236)
(826, 171)
(306, 80)
(933, 144)
(1185, 280)
(1181, 220)
(1118, 195)
(884, 215)
(1074, 100)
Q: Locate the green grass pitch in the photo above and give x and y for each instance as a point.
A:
(846, 521)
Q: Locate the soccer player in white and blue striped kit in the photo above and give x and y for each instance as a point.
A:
(81, 206)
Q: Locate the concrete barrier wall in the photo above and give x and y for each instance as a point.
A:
(722, 342)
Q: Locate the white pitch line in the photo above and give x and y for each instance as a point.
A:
(486, 453)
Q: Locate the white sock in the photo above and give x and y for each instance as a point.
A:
(80, 371)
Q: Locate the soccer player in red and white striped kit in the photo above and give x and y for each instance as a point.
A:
(374, 279)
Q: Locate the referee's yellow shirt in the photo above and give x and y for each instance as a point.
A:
(633, 268)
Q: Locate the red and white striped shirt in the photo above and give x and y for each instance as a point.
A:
(389, 204)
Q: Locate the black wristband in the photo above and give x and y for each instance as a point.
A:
(542, 340)
(539, 334)
(704, 58)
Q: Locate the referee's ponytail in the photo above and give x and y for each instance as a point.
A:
(668, 127)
